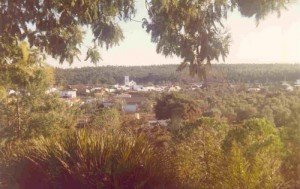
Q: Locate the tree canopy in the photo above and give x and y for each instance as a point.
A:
(56, 27)
(190, 29)
(176, 106)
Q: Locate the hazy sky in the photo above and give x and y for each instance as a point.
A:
(274, 40)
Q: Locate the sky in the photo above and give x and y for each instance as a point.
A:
(274, 40)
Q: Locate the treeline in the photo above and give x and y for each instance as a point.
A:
(235, 73)
(115, 74)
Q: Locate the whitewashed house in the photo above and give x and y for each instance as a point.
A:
(138, 87)
(123, 95)
(51, 90)
(125, 88)
(297, 83)
(68, 94)
(287, 86)
(148, 88)
(110, 90)
(95, 89)
(174, 89)
(254, 89)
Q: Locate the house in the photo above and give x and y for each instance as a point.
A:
(110, 90)
(130, 108)
(254, 89)
(96, 89)
(297, 83)
(138, 87)
(72, 101)
(124, 88)
(160, 88)
(107, 104)
(131, 102)
(148, 88)
(163, 123)
(68, 94)
(287, 86)
(123, 95)
(174, 89)
(12, 92)
(127, 108)
(90, 100)
(131, 83)
(51, 90)
(80, 89)
(195, 86)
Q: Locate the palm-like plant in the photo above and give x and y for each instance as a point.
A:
(85, 160)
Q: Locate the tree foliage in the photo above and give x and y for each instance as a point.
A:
(192, 30)
(26, 110)
(56, 27)
(174, 105)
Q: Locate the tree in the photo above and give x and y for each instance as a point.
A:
(108, 118)
(253, 155)
(175, 105)
(55, 27)
(290, 133)
(200, 158)
(28, 111)
(192, 30)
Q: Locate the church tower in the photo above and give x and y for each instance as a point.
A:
(126, 80)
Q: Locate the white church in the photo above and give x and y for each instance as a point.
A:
(129, 83)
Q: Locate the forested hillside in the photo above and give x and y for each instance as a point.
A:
(249, 73)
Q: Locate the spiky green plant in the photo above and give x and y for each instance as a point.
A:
(90, 160)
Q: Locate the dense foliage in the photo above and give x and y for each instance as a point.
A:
(249, 140)
(26, 111)
(56, 27)
(176, 106)
(234, 73)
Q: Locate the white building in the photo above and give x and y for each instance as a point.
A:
(137, 87)
(127, 82)
(125, 88)
(95, 89)
(254, 89)
(287, 86)
(68, 94)
(110, 90)
(148, 88)
(174, 89)
(51, 90)
(297, 83)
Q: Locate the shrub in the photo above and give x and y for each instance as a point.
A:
(85, 160)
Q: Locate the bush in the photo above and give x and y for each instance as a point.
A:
(84, 160)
